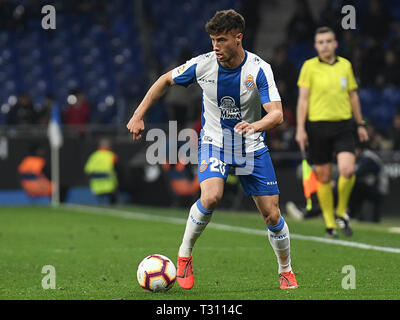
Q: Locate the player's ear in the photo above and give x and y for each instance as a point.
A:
(336, 44)
(239, 38)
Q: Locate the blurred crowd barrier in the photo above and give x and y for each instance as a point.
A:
(140, 182)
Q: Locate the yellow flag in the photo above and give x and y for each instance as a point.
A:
(310, 182)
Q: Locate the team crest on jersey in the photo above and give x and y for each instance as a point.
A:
(203, 166)
(249, 83)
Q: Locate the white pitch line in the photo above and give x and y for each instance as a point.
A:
(218, 226)
(394, 229)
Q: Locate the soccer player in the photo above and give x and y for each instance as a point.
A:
(327, 102)
(240, 103)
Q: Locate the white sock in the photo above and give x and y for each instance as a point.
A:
(279, 239)
(197, 221)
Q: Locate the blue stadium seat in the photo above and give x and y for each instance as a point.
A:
(369, 98)
(382, 116)
(300, 52)
(85, 52)
(391, 95)
(394, 11)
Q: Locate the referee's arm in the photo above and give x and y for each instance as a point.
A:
(356, 109)
(302, 108)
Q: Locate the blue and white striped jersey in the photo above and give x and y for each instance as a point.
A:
(230, 96)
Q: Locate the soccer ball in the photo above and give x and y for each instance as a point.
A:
(156, 273)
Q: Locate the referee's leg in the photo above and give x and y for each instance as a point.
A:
(346, 166)
(325, 194)
(320, 150)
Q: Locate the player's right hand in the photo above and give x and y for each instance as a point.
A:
(302, 139)
(135, 126)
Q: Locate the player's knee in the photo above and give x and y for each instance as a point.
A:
(347, 171)
(324, 177)
(210, 200)
(271, 213)
(273, 217)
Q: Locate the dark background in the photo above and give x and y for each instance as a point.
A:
(103, 56)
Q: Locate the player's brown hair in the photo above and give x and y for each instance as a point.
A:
(324, 30)
(224, 21)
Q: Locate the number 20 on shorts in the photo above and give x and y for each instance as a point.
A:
(217, 165)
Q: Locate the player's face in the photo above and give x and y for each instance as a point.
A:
(226, 45)
(325, 44)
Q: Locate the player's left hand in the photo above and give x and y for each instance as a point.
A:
(245, 128)
(362, 134)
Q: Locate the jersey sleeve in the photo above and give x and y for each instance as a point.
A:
(266, 84)
(305, 76)
(352, 84)
(185, 74)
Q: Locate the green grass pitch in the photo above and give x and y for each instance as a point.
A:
(95, 253)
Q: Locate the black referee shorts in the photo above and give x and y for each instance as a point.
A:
(328, 137)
